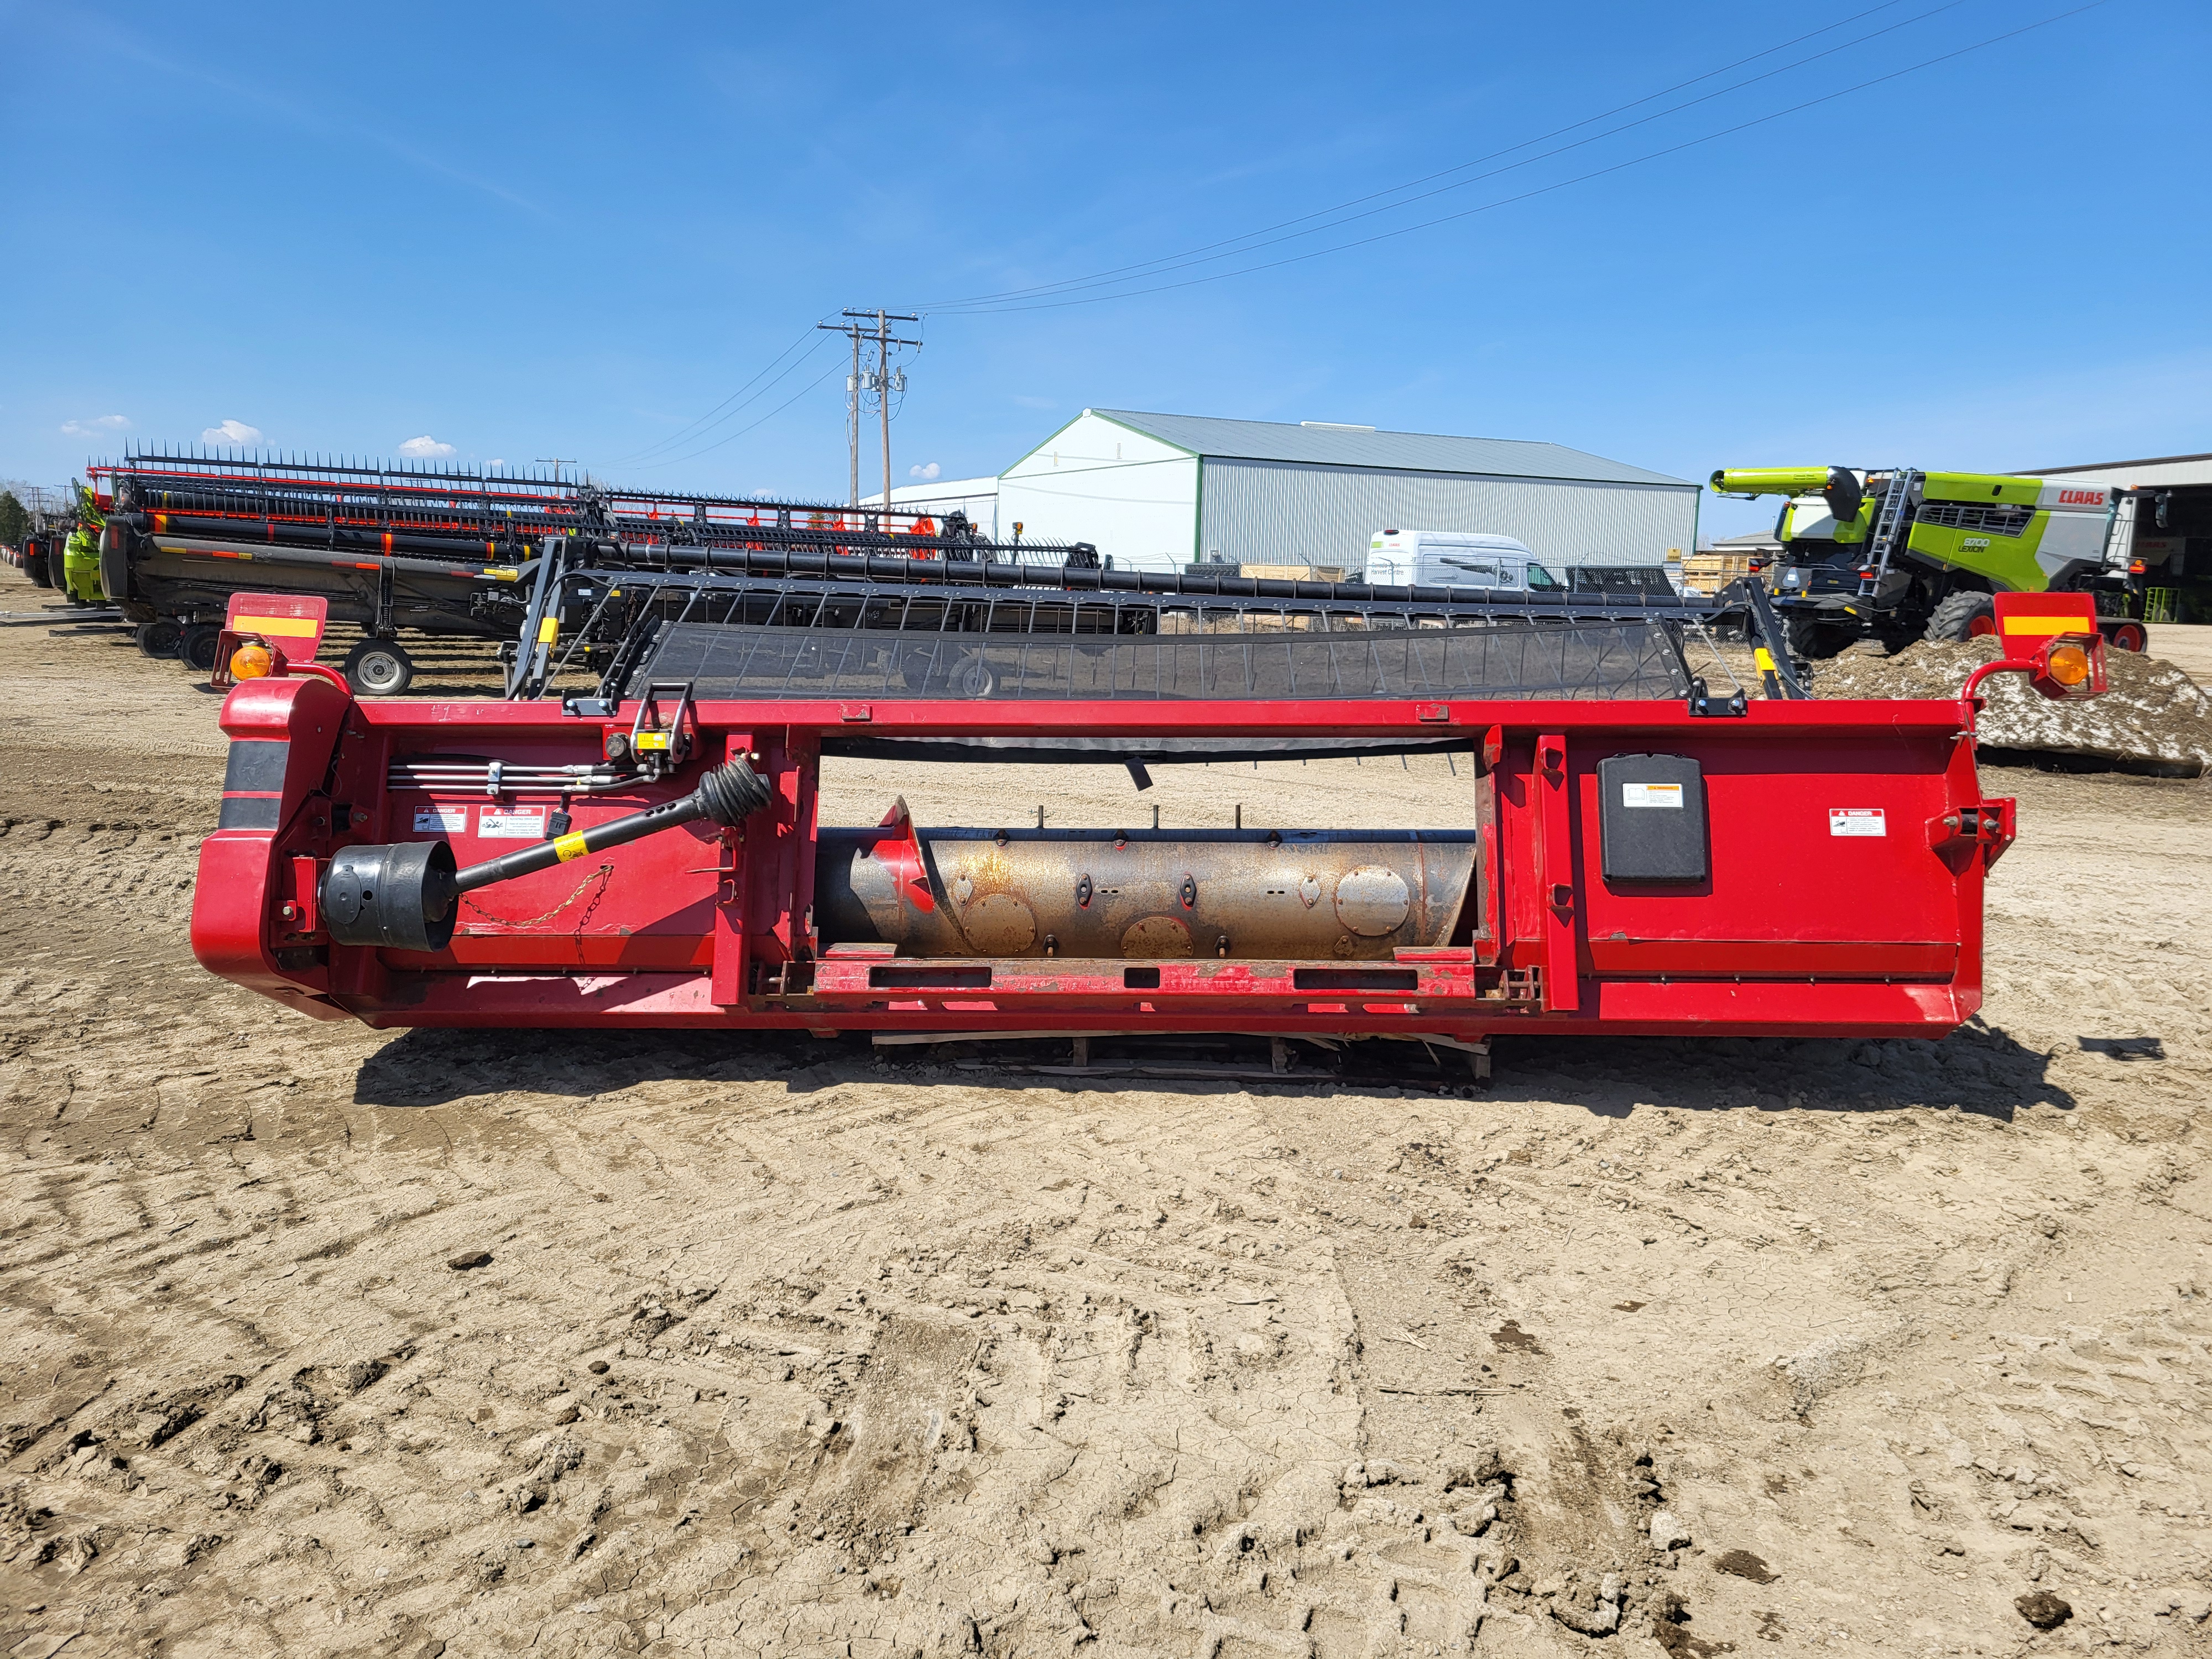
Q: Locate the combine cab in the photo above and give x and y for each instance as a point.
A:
(1632, 853)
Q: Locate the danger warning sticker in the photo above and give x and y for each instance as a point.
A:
(1651, 794)
(512, 823)
(441, 820)
(1856, 821)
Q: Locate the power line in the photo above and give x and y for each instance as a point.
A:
(716, 416)
(677, 460)
(1245, 243)
(1030, 298)
(1230, 243)
(1546, 190)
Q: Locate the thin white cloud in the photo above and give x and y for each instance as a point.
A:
(929, 471)
(100, 426)
(325, 118)
(425, 448)
(232, 432)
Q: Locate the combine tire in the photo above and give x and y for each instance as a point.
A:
(1962, 616)
(378, 668)
(195, 647)
(2129, 636)
(1816, 641)
(161, 637)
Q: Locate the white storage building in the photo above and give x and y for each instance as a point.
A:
(977, 497)
(1162, 491)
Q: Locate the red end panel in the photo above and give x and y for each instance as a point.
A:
(293, 623)
(281, 732)
(2025, 620)
(1821, 866)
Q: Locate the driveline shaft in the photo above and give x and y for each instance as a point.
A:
(404, 896)
(725, 796)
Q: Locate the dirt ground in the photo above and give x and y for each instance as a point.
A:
(794, 1348)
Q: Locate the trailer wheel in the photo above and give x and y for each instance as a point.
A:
(1963, 616)
(2128, 636)
(195, 647)
(379, 668)
(974, 678)
(161, 637)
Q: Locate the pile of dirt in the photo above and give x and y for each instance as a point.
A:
(2153, 715)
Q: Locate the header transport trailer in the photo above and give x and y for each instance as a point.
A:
(525, 562)
(1629, 856)
(426, 550)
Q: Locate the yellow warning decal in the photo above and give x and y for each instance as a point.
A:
(1764, 659)
(549, 631)
(298, 628)
(569, 847)
(652, 740)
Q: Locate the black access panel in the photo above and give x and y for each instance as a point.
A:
(1651, 817)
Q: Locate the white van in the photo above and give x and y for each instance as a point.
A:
(1456, 558)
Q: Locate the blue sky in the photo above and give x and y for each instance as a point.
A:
(573, 231)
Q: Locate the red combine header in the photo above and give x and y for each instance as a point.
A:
(1660, 861)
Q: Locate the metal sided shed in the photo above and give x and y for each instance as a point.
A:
(2164, 525)
(1159, 491)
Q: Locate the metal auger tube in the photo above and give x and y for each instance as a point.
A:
(403, 897)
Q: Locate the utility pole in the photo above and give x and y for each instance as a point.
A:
(857, 385)
(852, 421)
(556, 462)
(853, 388)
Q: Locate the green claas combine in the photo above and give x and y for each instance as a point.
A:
(1900, 555)
(76, 572)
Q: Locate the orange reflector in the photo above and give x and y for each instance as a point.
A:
(2068, 665)
(251, 662)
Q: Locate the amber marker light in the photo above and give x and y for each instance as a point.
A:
(252, 661)
(2068, 665)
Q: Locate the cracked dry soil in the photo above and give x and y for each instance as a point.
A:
(781, 1349)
